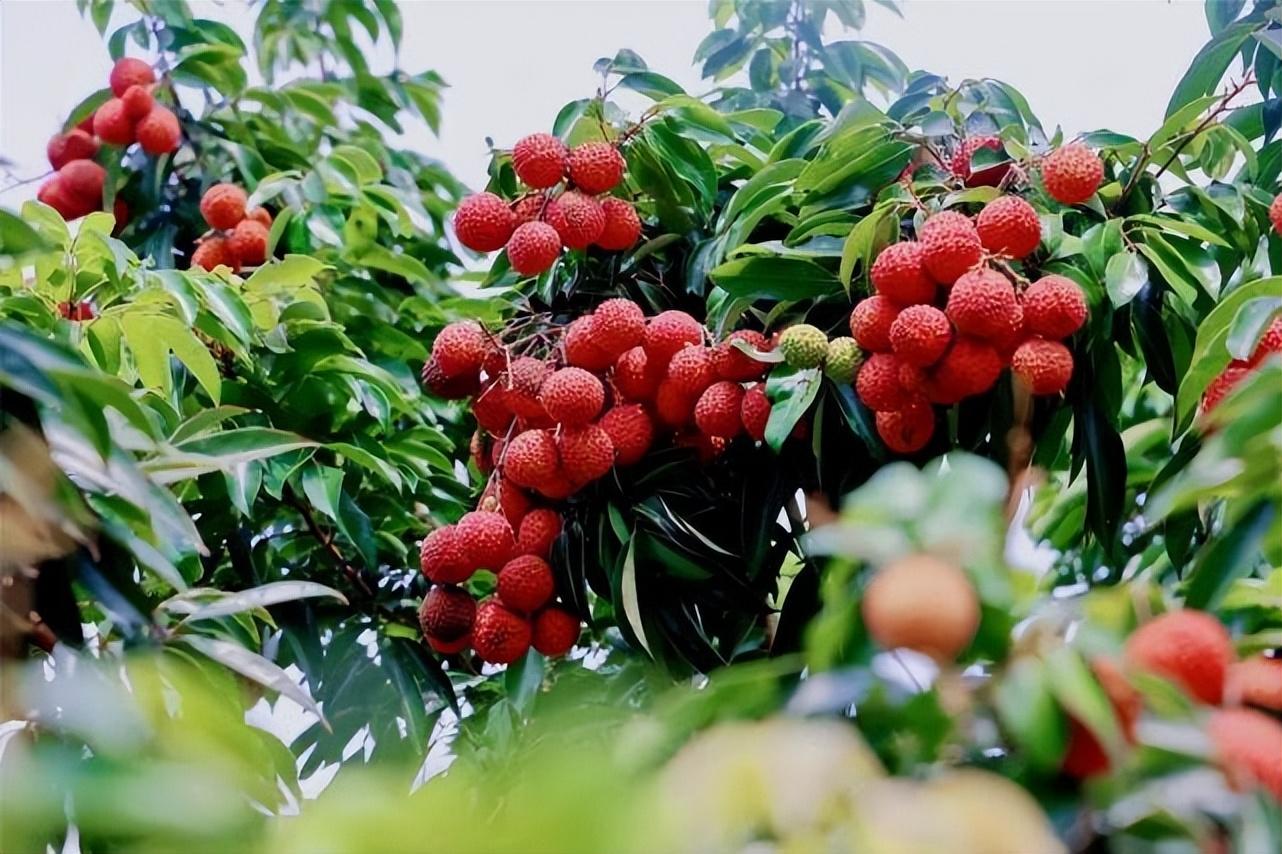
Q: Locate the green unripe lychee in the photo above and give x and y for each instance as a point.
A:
(803, 346)
(843, 360)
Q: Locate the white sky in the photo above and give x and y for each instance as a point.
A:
(511, 64)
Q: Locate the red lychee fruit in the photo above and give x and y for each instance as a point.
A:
(969, 367)
(84, 179)
(538, 207)
(1008, 225)
(668, 332)
(138, 102)
(533, 248)
(491, 412)
(557, 488)
(460, 348)
(899, 276)
(716, 413)
(907, 430)
(1275, 213)
(520, 385)
(223, 206)
(989, 176)
(1248, 744)
(442, 559)
(1085, 756)
(159, 132)
(555, 631)
(673, 406)
(214, 252)
(982, 303)
(870, 323)
(485, 539)
(691, 371)
(501, 495)
(73, 145)
(448, 647)
(754, 411)
(1219, 388)
(525, 584)
(581, 346)
(539, 160)
(622, 225)
(531, 458)
(538, 531)
(1190, 648)
(581, 221)
(707, 447)
(450, 388)
(596, 167)
(1044, 366)
(1270, 342)
(130, 72)
(617, 325)
(572, 396)
(478, 448)
(920, 335)
(1256, 681)
(484, 222)
(630, 430)
(447, 613)
(636, 375)
(949, 246)
(261, 215)
(112, 125)
(499, 635)
(922, 603)
(1054, 307)
(877, 383)
(732, 363)
(1072, 173)
(587, 453)
(248, 240)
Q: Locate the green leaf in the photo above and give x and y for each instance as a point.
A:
(1026, 705)
(1208, 67)
(761, 277)
(18, 239)
(869, 236)
(1082, 697)
(1231, 555)
(791, 393)
(197, 604)
(1124, 277)
(255, 668)
(630, 600)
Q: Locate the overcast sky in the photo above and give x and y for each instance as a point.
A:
(1083, 64)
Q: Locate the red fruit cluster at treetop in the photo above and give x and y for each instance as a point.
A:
(238, 237)
(989, 176)
(561, 211)
(1239, 369)
(1072, 173)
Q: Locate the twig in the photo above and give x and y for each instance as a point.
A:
(352, 573)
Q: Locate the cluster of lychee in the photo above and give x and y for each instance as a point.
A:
(131, 115)
(238, 237)
(1071, 173)
(556, 410)
(1239, 369)
(564, 209)
(948, 314)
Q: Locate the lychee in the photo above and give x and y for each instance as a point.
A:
(1085, 756)
(907, 430)
(1219, 388)
(503, 496)
(1255, 681)
(214, 252)
(716, 412)
(223, 206)
(248, 240)
(485, 539)
(922, 603)
(1072, 173)
(538, 207)
(622, 225)
(878, 383)
(1275, 213)
(159, 132)
(450, 388)
(555, 631)
(691, 371)
(617, 325)
(595, 167)
(586, 453)
(732, 363)
(920, 334)
(138, 102)
(73, 145)
(989, 176)
(581, 222)
(539, 160)
(1045, 367)
(1247, 744)
(538, 531)
(447, 613)
(1008, 225)
(499, 636)
(582, 346)
(557, 488)
(673, 406)
(803, 346)
(112, 125)
(754, 411)
(669, 331)
(442, 559)
(949, 246)
(1054, 307)
(130, 72)
(982, 303)
(1190, 648)
(531, 458)
(445, 647)
(460, 347)
(84, 179)
(525, 584)
(870, 323)
(260, 215)
(484, 222)
(899, 275)
(572, 396)
(630, 430)
(969, 367)
(491, 412)
(842, 360)
(636, 376)
(533, 248)
(1270, 342)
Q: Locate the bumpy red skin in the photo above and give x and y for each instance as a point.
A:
(877, 384)
(1219, 388)
(870, 323)
(899, 275)
(1275, 213)
(754, 411)
(622, 226)
(731, 363)
(484, 222)
(538, 207)
(596, 167)
(716, 413)
(159, 132)
(1270, 342)
(223, 206)
(460, 348)
(572, 396)
(447, 613)
(539, 160)
(531, 458)
(1008, 225)
(486, 539)
(76, 144)
(445, 647)
(581, 346)
(1255, 681)
(631, 431)
(442, 559)
(636, 375)
(214, 252)
(138, 102)
(1248, 744)
(248, 241)
(617, 326)
(84, 179)
(1054, 307)
(1190, 648)
(525, 584)
(1085, 757)
(920, 335)
(130, 72)
(261, 215)
(533, 248)
(669, 331)
(557, 487)
(969, 367)
(960, 164)
(691, 370)
(982, 303)
(582, 220)
(949, 246)
(504, 496)
(1044, 366)
(538, 531)
(673, 406)
(112, 125)
(490, 411)
(450, 388)
(1072, 173)
(499, 635)
(555, 632)
(907, 430)
(587, 453)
